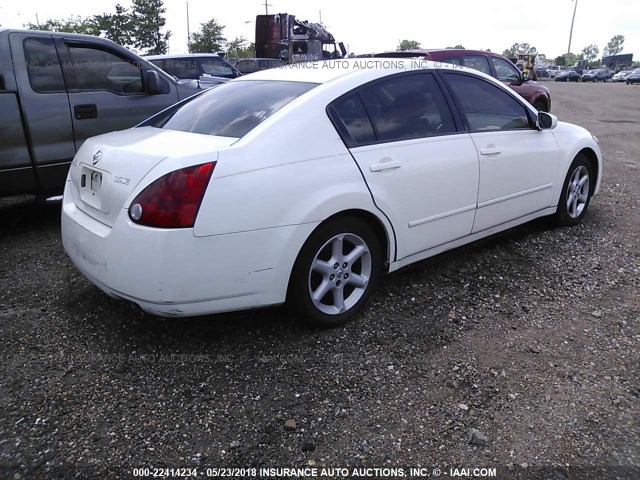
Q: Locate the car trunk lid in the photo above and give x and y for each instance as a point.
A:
(108, 168)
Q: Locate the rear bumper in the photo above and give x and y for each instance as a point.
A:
(174, 273)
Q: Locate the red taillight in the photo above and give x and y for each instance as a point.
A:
(173, 200)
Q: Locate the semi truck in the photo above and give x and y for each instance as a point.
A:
(291, 40)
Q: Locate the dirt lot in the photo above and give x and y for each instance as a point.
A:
(532, 338)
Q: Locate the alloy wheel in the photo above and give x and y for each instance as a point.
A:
(340, 273)
(577, 192)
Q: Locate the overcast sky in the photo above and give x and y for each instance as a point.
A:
(364, 28)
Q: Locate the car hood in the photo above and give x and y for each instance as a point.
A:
(571, 128)
(108, 168)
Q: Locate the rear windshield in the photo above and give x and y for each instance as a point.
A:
(233, 109)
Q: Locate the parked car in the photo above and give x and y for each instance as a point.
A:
(621, 76)
(250, 65)
(633, 77)
(596, 75)
(56, 90)
(205, 67)
(568, 76)
(487, 62)
(553, 71)
(306, 185)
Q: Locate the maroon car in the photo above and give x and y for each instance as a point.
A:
(490, 63)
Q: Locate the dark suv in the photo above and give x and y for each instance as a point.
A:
(490, 63)
(596, 75)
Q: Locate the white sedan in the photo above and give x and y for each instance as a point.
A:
(307, 183)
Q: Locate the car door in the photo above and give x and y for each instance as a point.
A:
(421, 171)
(45, 105)
(106, 90)
(518, 163)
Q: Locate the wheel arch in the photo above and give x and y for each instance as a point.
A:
(541, 97)
(380, 230)
(384, 233)
(595, 165)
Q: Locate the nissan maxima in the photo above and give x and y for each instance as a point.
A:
(305, 184)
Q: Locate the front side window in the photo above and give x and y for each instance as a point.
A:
(486, 106)
(43, 65)
(233, 109)
(505, 71)
(91, 69)
(407, 107)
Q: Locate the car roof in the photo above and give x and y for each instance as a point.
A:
(258, 58)
(328, 70)
(183, 55)
(428, 51)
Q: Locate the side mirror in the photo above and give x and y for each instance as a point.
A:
(546, 121)
(154, 84)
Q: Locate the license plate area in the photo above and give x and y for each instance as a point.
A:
(92, 188)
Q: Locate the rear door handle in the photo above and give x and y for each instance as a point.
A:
(83, 112)
(384, 166)
(490, 151)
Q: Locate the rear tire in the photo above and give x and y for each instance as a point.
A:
(576, 193)
(336, 272)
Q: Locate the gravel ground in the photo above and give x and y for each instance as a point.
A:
(530, 337)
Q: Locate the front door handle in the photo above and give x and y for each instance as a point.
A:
(384, 166)
(490, 151)
(83, 112)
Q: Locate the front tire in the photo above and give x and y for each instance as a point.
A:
(336, 271)
(576, 193)
(540, 105)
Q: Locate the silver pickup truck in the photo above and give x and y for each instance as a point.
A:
(58, 89)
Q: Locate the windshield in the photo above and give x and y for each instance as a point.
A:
(232, 109)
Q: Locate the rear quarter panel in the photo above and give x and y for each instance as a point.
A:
(298, 171)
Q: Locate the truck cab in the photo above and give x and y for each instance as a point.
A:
(284, 37)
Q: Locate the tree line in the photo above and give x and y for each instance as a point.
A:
(141, 28)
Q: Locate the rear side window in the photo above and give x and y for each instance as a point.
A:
(233, 109)
(486, 106)
(505, 71)
(477, 62)
(353, 115)
(407, 107)
(43, 65)
(184, 68)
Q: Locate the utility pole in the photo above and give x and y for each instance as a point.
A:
(266, 7)
(571, 31)
(188, 31)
